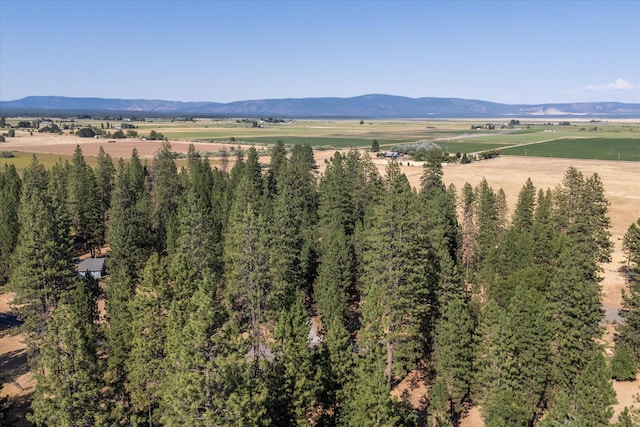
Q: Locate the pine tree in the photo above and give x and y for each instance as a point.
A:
(441, 219)
(69, 383)
(431, 184)
(438, 409)
(453, 355)
(623, 367)
(398, 277)
(469, 229)
(364, 183)
(84, 203)
(335, 198)
(129, 239)
(278, 160)
(334, 282)
(129, 229)
(199, 235)
(490, 351)
(544, 251)
(165, 190)
(10, 189)
(488, 219)
(105, 172)
(337, 370)
(368, 402)
(628, 332)
(594, 394)
(581, 214)
(527, 339)
(576, 314)
(292, 251)
(301, 381)
(145, 365)
(42, 263)
(523, 216)
(504, 408)
(208, 380)
(247, 283)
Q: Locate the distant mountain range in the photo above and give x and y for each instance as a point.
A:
(365, 106)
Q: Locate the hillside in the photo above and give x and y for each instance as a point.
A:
(365, 106)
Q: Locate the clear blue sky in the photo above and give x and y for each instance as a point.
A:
(503, 51)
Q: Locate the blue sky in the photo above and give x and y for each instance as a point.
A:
(502, 51)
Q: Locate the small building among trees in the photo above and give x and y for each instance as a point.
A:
(93, 266)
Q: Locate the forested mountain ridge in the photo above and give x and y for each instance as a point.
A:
(214, 277)
(365, 106)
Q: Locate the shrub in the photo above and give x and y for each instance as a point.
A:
(86, 133)
(6, 154)
(623, 367)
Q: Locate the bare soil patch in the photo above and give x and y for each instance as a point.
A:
(18, 383)
(121, 148)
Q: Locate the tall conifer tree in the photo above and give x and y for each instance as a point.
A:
(10, 189)
(42, 261)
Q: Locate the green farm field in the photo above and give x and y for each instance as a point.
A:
(627, 149)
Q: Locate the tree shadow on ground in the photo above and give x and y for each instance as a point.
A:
(13, 364)
(16, 409)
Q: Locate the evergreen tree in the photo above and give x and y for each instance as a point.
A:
(438, 409)
(453, 355)
(10, 189)
(199, 235)
(145, 365)
(398, 277)
(68, 385)
(527, 367)
(581, 213)
(332, 287)
(278, 160)
(504, 408)
(337, 370)
(129, 239)
(368, 402)
(84, 203)
(623, 367)
(431, 184)
(628, 332)
(469, 229)
(590, 404)
(544, 250)
(335, 203)
(488, 219)
(105, 172)
(490, 352)
(523, 216)
(165, 190)
(42, 263)
(364, 183)
(208, 381)
(246, 265)
(576, 314)
(292, 254)
(629, 418)
(441, 222)
(301, 380)
(129, 229)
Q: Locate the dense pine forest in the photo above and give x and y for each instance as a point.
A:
(273, 295)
